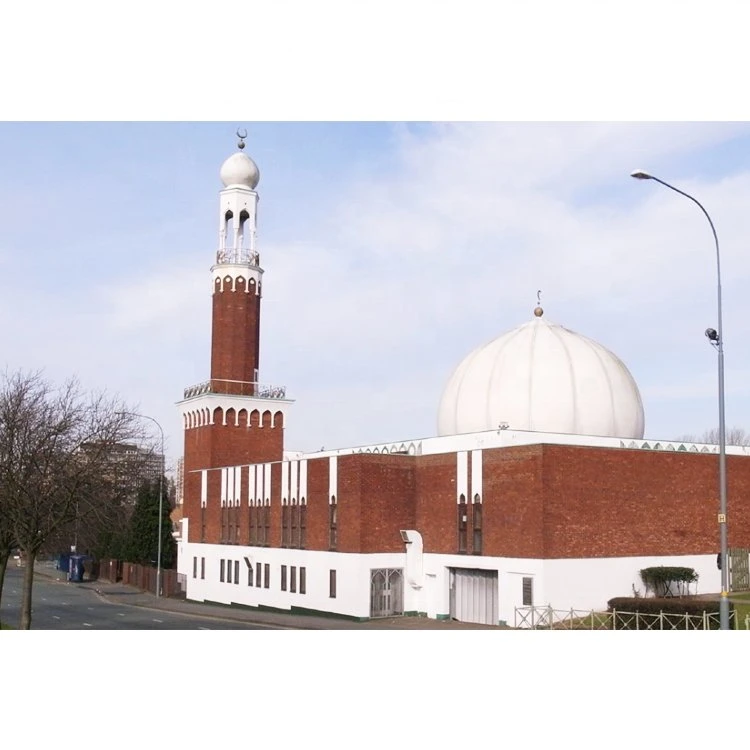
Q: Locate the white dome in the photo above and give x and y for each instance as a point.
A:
(544, 378)
(240, 169)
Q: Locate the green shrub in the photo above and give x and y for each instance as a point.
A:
(662, 579)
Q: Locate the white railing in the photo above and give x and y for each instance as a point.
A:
(236, 388)
(547, 618)
(241, 255)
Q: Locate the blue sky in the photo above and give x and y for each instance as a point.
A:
(391, 250)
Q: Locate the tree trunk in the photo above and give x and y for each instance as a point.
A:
(28, 582)
(4, 557)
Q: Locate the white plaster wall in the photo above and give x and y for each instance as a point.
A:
(352, 577)
(590, 584)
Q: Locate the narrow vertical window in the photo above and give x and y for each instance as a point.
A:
(303, 580)
(294, 510)
(236, 571)
(283, 577)
(303, 524)
(266, 523)
(463, 523)
(203, 568)
(195, 567)
(267, 571)
(203, 523)
(258, 574)
(477, 524)
(528, 592)
(332, 524)
(293, 579)
(221, 571)
(229, 570)
(285, 530)
(249, 572)
(332, 584)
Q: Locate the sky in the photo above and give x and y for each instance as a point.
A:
(391, 250)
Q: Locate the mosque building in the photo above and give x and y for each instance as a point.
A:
(539, 490)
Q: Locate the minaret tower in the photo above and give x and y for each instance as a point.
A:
(231, 419)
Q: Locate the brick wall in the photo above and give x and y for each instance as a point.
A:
(235, 333)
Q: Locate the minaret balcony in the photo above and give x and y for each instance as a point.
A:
(237, 256)
(236, 388)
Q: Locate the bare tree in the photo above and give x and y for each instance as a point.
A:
(734, 436)
(55, 448)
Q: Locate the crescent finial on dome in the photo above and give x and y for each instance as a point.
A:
(241, 134)
(538, 309)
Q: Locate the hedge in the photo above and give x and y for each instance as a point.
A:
(671, 609)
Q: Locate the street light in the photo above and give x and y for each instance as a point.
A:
(161, 500)
(716, 338)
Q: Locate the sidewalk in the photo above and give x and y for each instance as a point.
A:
(118, 593)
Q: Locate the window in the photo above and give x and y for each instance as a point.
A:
(195, 567)
(293, 580)
(528, 592)
(294, 510)
(266, 523)
(249, 572)
(477, 524)
(203, 568)
(285, 528)
(463, 523)
(221, 571)
(236, 571)
(303, 580)
(253, 525)
(283, 577)
(267, 571)
(203, 523)
(332, 523)
(302, 524)
(332, 584)
(229, 570)
(258, 571)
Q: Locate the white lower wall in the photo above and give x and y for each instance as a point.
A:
(583, 584)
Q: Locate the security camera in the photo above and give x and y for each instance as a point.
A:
(711, 334)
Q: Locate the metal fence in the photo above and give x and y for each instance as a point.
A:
(547, 618)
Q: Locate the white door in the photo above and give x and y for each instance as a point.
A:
(473, 595)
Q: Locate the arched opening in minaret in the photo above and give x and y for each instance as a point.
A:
(244, 234)
(228, 230)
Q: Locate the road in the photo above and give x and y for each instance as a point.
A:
(58, 605)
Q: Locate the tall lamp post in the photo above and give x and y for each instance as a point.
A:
(161, 498)
(717, 340)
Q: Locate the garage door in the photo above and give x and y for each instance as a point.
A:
(473, 595)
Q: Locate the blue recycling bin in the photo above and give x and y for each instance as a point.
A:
(75, 568)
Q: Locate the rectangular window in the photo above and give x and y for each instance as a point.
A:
(283, 577)
(203, 568)
(254, 525)
(249, 572)
(302, 524)
(236, 571)
(528, 592)
(293, 580)
(258, 572)
(203, 523)
(477, 539)
(332, 584)
(229, 570)
(195, 567)
(463, 525)
(267, 572)
(221, 571)
(303, 579)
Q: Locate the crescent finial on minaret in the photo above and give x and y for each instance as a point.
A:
(241, 134)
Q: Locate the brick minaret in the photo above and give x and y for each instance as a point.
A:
(231, 419)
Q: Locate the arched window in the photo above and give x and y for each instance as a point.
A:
(463, 524)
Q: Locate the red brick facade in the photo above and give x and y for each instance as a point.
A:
(539, 501)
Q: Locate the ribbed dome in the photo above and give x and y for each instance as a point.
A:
(240, 169)
(544, 378)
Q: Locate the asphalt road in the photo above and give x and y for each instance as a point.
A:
(58, 605)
